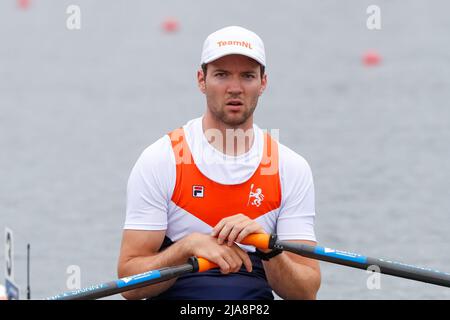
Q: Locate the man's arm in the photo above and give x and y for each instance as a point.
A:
(292, 276)
(139, 253)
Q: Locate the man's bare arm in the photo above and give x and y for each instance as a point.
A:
(292, 276)
(139, 253)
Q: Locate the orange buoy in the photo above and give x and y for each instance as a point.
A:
(170, 25)
(371, 58)
(23, 4)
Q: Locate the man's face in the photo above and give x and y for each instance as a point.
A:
(232, 87)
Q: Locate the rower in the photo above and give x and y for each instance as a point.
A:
(192, 195)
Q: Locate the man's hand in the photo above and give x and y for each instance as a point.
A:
(235, 229)
(228, 258)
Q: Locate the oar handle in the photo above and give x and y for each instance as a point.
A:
(258, 240)
(205, 265)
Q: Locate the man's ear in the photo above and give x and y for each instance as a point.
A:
(201, 81)
(263, 84)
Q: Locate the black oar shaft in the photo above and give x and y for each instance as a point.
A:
(361, 262)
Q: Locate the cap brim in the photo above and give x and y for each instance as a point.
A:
(223, 54)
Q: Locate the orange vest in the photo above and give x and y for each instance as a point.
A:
(210, 201)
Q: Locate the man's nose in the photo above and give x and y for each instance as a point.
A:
(235, 86)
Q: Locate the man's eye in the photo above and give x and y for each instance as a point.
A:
(249, 76)
(220, 74)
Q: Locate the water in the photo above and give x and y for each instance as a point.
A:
(78, 107)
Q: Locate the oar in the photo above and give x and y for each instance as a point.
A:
(136, 281)
(261, 241)
(393, 268)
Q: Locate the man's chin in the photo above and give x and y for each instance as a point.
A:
(234, 120)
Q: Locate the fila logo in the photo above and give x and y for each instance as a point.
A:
(197, 191)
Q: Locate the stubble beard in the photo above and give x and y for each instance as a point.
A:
(230, 118)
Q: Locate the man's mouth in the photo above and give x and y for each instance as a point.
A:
(235, 104)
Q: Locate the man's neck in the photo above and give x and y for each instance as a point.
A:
(230, 140)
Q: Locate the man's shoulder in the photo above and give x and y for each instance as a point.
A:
(159, 151)
(291, 159)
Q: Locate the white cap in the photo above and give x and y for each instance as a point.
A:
(233, 40)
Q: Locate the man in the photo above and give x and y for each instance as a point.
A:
(196, 192)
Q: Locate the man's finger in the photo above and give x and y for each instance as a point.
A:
(232, 220)
(249, 229)
(237, 229)
(223, 265)
(233, 260)
(223, 234)
(245, 258)
(217, 228)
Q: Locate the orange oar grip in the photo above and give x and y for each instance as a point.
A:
(204, 265)
(259, 240)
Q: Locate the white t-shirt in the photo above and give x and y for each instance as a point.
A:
(152, 181)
